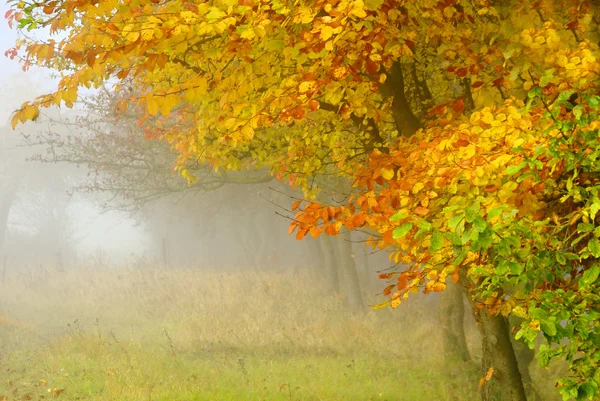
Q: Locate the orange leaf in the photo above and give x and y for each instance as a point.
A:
(315, 231)
(296, 204)
(454, 276)
(388, 290)
(421, 211)
(489, 373)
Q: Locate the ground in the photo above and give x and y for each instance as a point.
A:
(183, 334)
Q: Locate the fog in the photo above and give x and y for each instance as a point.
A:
(119, 281)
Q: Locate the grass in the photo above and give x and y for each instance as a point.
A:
(182, 334)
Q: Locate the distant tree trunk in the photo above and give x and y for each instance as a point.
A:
(164, 252)
(317, 256)
(451, 315)
(7, 197)
(331, 262)
(353, 293)
(4, 268)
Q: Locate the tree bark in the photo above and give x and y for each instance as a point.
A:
(451, 315)
(506, 383)
(524, 358)
(406, 121)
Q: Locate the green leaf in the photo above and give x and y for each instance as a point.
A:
(401, 231)
(480, 224)
(514, 168)
(590, 275)
(497, 211)
(455, 221)
(593, 102)
(548, 327)
(585, 227)
(453, 238)
(515, 268)
(587, 390)
(578, 111)
(424, 225)
(594, 247)
(594, 209)
(398, 216)
(437, 241)
(535, 92)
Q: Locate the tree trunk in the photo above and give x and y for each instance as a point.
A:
(353, 293)
(317, 256)
(505, 383)
(525, 357)
(331, 262)
(451, 315)
(7, 198)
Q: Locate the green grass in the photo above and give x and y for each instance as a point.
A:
(182, 335)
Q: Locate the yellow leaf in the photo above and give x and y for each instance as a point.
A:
(247, 131)
(387, 173)
(326, 32)
(248, 33)
(153, 105)
(15, 121)
(31, 113)
(133, 36)
(168, 104)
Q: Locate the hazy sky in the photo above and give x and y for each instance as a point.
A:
(110, 231)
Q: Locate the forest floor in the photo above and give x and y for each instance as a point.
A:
(182, 334)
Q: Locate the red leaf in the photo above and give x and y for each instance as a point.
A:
(476, 85)
(461, 72)
(372, 67)
(459, 106)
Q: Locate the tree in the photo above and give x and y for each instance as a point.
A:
(135, 173)
(468, 128)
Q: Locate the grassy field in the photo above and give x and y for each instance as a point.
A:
(181, 334)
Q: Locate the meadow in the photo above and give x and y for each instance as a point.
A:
(178, 334)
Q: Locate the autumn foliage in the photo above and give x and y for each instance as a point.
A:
(468, 128)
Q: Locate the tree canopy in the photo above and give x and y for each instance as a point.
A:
(468, 127)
